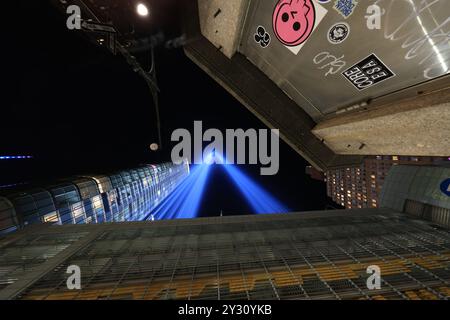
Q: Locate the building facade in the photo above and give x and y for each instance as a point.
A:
(128, 195)
(360, 186)
(309, 255)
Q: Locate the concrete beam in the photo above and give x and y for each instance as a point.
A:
(221, 22)
(418, 126)
(268, 102)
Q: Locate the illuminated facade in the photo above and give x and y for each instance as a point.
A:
(128, 195)
(308, 255)
(360, 186)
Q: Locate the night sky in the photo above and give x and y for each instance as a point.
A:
(78, 109)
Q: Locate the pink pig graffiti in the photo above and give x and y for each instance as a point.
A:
(293, 21)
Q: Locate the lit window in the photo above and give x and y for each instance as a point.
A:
(51, 217)
(77, 211)
(97, 203)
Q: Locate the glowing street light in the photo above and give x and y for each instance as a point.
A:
(142, 9)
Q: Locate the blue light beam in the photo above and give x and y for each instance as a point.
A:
(259, 199)
(172, 202)
(15, 157)
(192, 203)
(184, 201)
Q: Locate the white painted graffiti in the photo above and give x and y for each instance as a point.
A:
(327, 60)
(430, 45)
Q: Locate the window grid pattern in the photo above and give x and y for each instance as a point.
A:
(23, 256)
(126, 196)
(320, 258)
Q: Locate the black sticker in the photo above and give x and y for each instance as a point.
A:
(262, 37)
(368, 73)
(338, 33)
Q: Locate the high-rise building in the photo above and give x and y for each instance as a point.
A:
(128, 195)
(312, 255)
(360, 186)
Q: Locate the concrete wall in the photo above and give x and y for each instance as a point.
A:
(221, 22)
(415, 127)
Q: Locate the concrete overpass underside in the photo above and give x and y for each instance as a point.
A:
(321, 114)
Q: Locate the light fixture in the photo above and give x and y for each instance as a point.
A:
(154, 147)
(142, 9)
